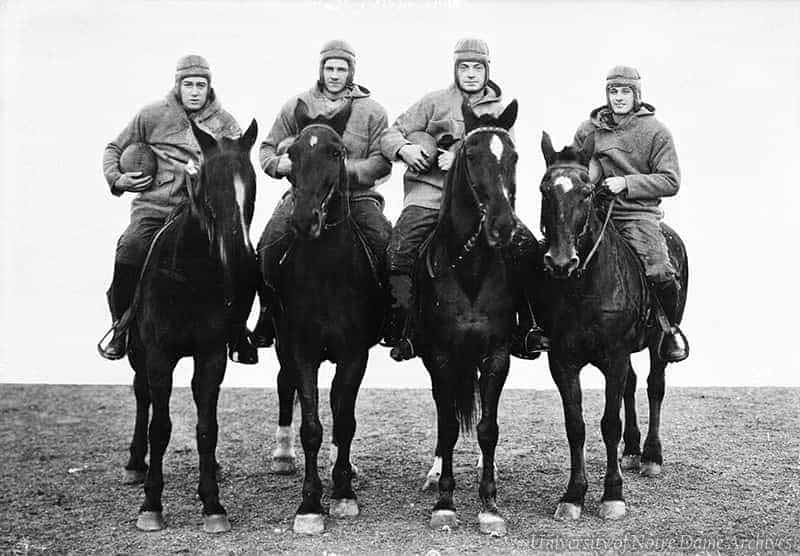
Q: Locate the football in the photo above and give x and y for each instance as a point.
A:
(139, 157)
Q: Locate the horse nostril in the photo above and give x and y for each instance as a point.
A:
(548, 261)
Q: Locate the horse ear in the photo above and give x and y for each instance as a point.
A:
(547, 149)
(208, 145)
(247, 140)
(301, 114)
(509, 115)
(587, 150)
(339, 121)
(470, 119)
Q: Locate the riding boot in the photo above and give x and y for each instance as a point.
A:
(120, 296)
(242, 350)
(528, 339)
(264, 333)
(674, 346)
(398, 332)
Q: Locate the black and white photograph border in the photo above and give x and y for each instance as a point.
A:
(724, 77)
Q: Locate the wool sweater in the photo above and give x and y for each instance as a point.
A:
(365, 163)
(640, 149)
(438, 114)
(165, 127)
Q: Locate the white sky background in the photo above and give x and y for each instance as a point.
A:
(724, 77)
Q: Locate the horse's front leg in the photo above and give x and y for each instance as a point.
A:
(566, 375)
(344, 391)
(159, 371)
(616, 373)
(493, 376)
(444, 393)
(209, 370)
(283, 456)
(309, 518)
(631, 452)
(136, 468)
(651, 457)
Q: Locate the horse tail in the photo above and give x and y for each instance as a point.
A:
(466, 397)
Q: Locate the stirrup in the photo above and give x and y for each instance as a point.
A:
(681, 342)
(103, 350)
(522, 349)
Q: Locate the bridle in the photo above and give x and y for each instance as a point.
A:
(323, 207)
(585, 229)
(470, 243)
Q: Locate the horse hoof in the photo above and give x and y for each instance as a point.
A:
(344, 507)
(492, 524)
(309, 524)
(216, 523)
(133, 477)
(630, 463)
(612, 509)
(150, 521)
(283, 466)
(650, 469)
(441, 519)
(568, 511)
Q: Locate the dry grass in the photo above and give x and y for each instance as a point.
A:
(730, 476)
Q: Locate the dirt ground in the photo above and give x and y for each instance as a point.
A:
(731, 477)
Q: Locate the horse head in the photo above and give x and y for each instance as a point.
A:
(567, 197)
(318, 168)
(222, 196)
(488, 160)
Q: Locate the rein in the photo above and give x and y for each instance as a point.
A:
(469, 245)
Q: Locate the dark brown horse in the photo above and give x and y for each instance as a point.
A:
(466, 302)
(329, 307)
(599, 313)
(200, 276)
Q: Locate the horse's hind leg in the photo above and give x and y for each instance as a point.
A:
(344, 392)
(283, 456)
(159, 372)
(136, 468)
(613, 504)
(651, 456)
(493, 377)
(567, 380)
(209, 369)
(631, 453)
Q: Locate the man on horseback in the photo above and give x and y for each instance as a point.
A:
(165, 126)
(439, 114)
(635, 158)
(365, 164)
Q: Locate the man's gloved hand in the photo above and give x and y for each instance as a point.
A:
(133, 182)
(445, 160)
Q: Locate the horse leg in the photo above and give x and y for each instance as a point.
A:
(493, 377)
(616, 373)
(567, 379)
(309, 518)
(631, 453)
(159, 371)
(651, 457)
(136, 468)
(283, 456)
(344, 391)
(435, 472)
(209, 369)
(444, 512)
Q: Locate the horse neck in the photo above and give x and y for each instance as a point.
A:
(605, 264)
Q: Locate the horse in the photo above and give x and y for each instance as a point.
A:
(600, 312)
(466, 309)
(199, 278)
(329, 307)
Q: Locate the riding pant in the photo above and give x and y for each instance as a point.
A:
(646, 239)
